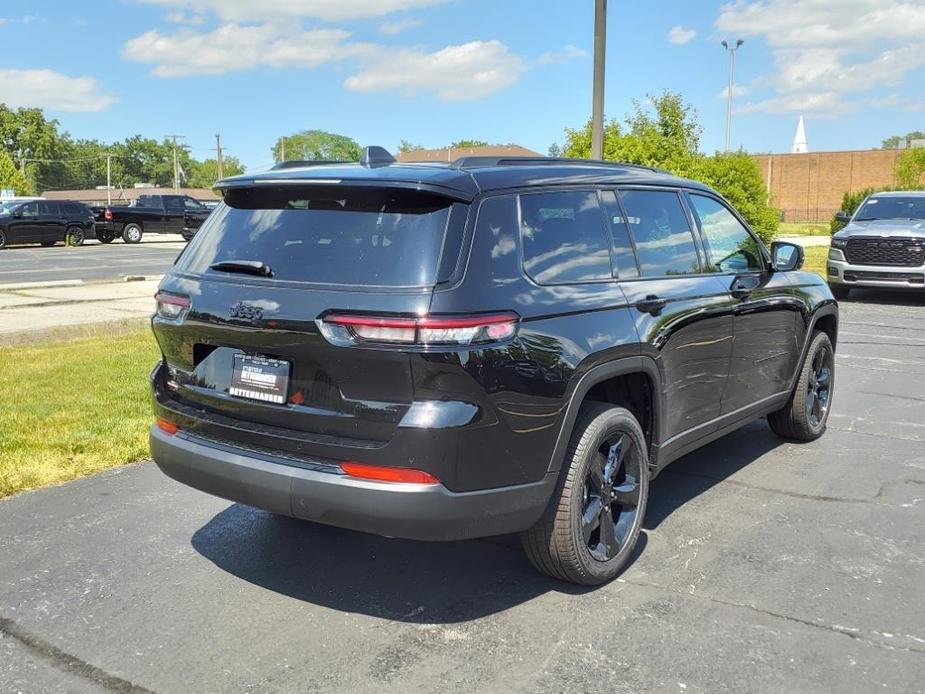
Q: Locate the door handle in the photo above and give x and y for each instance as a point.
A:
(652, 305)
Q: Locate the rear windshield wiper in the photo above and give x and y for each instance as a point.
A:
(247, 267)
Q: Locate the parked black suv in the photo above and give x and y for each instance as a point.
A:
(491, 346)
(47, 222)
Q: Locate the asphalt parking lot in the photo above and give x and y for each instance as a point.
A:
(92, 261)
(765, 566)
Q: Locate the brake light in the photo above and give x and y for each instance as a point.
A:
(388, 474)
(166, 426)
(171, 306)
(107, 214)
(431, 330)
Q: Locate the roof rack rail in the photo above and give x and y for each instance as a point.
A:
(299, 163)
(478, 162)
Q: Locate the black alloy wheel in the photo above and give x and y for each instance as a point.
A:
(611, 497)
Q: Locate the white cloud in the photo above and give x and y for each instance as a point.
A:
(52, 90)
(679, 34)
(278, 10)
(456, 73)
(184, 18)
(828, 51)
(566, 55)
(737, 91)
(2, 21)
(234, 47)
(399, 25)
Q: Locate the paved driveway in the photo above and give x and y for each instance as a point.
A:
(765, 566)
(92, 261)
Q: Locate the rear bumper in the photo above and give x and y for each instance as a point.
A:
(412, 511)
(844, 273)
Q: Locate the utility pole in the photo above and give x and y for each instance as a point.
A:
(597, 102)
(730, 87)
(108, 178)
(282, 149)
(218, 153)
(176, 162)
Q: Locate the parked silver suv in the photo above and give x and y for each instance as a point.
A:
(883, 245)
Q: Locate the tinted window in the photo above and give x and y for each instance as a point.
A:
(664, 243)
(73, 209)
(623, 255)
(48, 208)
(889, 207)
(193, 204)
(563, 237)
(729, 246)
(30, 209)
(345, 236)
(174, 204)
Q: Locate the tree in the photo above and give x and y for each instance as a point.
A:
(466, 144)
(11, 177)
(554, 150)
(667, 136)
(205, 173)
(896, 141)
(910, 168)
(317, 145)
(405, 146)
(850, 202)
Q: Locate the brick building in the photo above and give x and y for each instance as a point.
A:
(809, 187)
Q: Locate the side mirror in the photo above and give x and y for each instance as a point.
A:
(18, 213)
(842, 217)
(787, 256)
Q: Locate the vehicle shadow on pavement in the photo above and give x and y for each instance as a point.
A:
(884, 297)
(697, 472)
(402, 580)
(433, 583)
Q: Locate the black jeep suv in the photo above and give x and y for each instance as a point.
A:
(490, 346)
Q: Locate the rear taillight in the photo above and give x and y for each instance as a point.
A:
(171, 306)
(342, 328)
(107, 214)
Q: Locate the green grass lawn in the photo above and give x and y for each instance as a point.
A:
(73, 407)
(794, 229)
(815, 259)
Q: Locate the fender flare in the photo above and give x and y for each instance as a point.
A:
(598, 374)
(826, 309)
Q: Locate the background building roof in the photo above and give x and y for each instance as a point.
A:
(452, 153)
(125, 195)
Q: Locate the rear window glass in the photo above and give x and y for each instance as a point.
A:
(343, 236)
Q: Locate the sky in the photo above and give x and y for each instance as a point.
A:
(436, 71)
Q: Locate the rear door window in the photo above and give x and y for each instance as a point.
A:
(335, 236)
(49, 208)
(661, 232)
(563, 237)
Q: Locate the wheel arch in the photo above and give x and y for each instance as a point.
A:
(616, 382)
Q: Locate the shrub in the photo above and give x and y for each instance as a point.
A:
(850, 202)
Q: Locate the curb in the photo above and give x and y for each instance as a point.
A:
(40, 285)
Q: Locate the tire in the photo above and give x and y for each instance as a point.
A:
(188, 235)
(565, 543)
(131, 233)
(75, 236)
(2, 238)
(104, 237)
(840, 291)
(805, 415)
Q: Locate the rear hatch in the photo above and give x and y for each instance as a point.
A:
(263, 271)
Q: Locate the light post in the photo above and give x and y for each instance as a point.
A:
(731, 50)
(597, 103)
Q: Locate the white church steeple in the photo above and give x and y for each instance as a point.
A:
(800, 146)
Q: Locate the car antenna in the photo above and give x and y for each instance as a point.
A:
(376, 156)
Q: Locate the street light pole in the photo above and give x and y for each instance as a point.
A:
(597, 106)
(730, 86)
